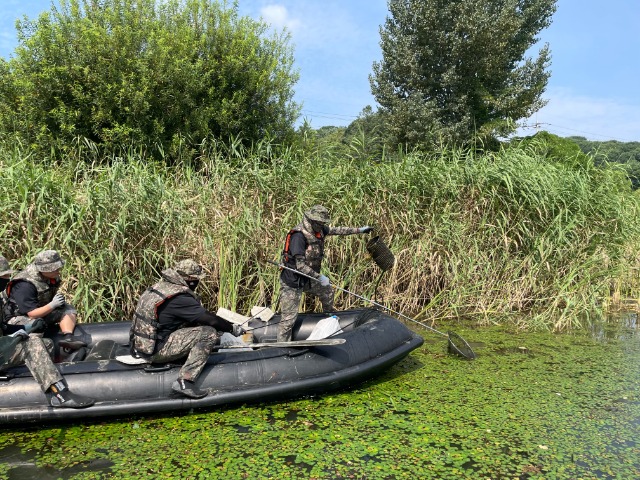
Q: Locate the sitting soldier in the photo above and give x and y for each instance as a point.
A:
(34, 351)
(33, 293)
(170, 323)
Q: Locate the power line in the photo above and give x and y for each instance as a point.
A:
(567, 129)
(537, 125)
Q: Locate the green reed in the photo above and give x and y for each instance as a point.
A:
(490, 236)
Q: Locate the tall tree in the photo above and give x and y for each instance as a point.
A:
(456, 70)
(160, 75)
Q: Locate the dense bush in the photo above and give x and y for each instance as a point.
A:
(164, 76)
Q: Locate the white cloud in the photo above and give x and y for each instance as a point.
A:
(278, 17)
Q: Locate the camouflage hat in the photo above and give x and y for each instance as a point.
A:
(4, 267)
(318, 213)
(189, 268)
(48, 261)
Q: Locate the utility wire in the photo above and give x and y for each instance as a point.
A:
(536, 125)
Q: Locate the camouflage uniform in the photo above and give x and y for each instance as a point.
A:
(310, 265)
(34, 353)
(194, 342)
(46, 261)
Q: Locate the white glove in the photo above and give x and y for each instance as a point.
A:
(324, 281)
(58, 301)
(366, 229)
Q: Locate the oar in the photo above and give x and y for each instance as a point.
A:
(130, 360)
(457, 344)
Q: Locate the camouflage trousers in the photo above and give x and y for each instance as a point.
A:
(34, 353)
(290, 304)
(195, 343)
(52, 318)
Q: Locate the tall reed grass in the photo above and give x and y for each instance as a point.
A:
(508, 236)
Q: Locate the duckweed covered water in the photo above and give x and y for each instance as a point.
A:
(532, 406)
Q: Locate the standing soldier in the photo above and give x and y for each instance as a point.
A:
(170, 323)
(33, 293)
(34, 351)
(304, 251)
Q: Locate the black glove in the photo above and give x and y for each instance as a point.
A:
(38, 325)
(366, 229)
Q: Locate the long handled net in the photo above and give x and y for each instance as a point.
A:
(456, 344)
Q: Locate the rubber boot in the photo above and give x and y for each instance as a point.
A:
(62, 397)
(71, 343)
(188, 389)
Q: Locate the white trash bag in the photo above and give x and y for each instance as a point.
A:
(325, 328)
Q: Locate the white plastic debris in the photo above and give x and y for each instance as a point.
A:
(325, 328)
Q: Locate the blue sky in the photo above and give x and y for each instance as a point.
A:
(593, 91)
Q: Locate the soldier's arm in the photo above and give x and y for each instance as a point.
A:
(343, 231)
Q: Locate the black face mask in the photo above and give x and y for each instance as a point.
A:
(318, 227)
(193, 284)
(3, 283)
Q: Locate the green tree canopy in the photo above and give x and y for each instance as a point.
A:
(455, 70)
(156, 74)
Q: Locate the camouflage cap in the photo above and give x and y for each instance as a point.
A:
(189, 268)
(318, 213)
(4, 267)
(48, 261)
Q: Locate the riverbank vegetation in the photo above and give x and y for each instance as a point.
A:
(491, 236)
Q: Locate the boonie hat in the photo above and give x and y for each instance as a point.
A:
(189, 268)
(4, 267)
(48, 261)
(318, 213)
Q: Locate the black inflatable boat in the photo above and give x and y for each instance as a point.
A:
(373, 342)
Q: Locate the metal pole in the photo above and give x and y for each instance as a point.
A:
(360, 297)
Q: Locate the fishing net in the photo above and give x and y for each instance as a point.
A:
(459, 346)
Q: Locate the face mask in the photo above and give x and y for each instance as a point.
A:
(193, 284)
(317, 227)
(3, 283)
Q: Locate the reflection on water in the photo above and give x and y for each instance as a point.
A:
(618, 326)
(22, 466)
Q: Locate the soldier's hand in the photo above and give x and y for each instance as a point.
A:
(324, 281)
(366, 229)
(58, 301)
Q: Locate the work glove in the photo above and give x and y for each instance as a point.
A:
(365, 229)
(238, 330)
(324, 281)
(58, 301)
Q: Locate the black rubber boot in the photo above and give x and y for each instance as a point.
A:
(188, 389)
(71, 343)
(62, 397)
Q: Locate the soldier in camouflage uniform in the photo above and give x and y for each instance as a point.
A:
(33, 293)
(170, 323)
(303, 251)
(34, 352)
